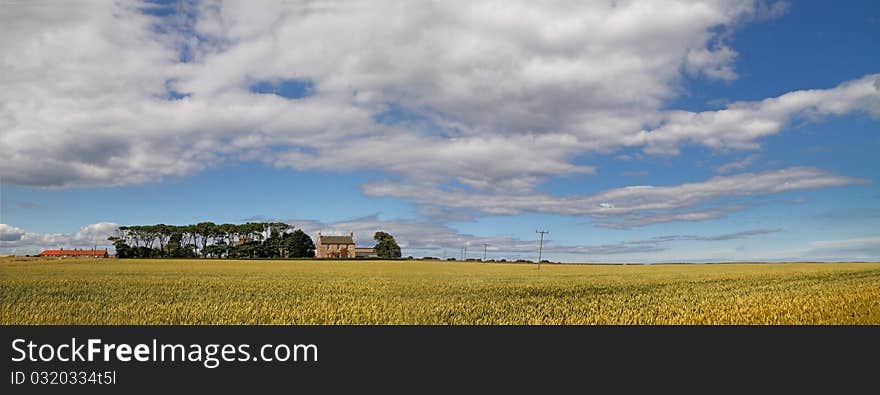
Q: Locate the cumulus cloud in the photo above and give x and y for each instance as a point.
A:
(741, 124)
(106, 94)
(17, 241)
(714, 63)
(10, 233)
(627, 206)
(492, 96)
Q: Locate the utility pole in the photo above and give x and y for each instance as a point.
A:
(465, 252)
(540, 246)
(485, 247)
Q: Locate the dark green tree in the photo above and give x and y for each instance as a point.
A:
(205, 232)
(176, 249)
(123, 250)
(298, 244)
(248, 250)
(217, 249)
(386, 246)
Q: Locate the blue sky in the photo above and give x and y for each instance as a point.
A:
(501, 125)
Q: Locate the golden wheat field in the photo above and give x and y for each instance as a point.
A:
(86, 291)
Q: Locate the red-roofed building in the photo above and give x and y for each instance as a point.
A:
(76, 253)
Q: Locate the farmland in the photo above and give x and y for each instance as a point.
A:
(94, 291)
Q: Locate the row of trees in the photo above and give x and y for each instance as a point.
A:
(210, 240)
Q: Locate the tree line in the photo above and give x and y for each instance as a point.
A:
(210, 240)
(251, 240)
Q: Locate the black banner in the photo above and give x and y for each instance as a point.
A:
(423, 358)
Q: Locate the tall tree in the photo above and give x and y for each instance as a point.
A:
(299, 245)
(386, 246)
(123, 250)
(205, 231)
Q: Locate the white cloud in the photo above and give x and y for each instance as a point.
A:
(632, 220)
(740, 125)
(772, 10)
(10, 233)
(511, 91)
(714, 63)
(736, 165)
(17, 241)
(721, 237)
(627, 206)
(503, 95)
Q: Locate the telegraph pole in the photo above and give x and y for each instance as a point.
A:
(540, 246)
(485, 247)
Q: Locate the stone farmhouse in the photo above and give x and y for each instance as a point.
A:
(340, 247)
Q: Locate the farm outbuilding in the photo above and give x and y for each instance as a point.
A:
(365, 252)
(75, 253)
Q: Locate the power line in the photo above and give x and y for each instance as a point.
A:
(540, 246)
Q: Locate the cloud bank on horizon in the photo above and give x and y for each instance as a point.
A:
(466, 109)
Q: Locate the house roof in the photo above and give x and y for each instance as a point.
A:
(74, 252)
(335, 239)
